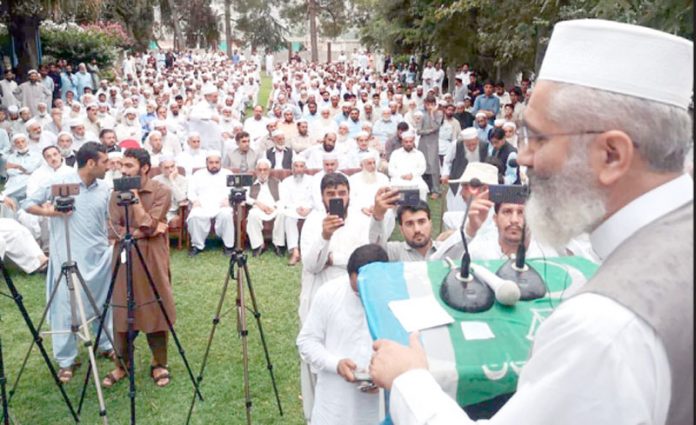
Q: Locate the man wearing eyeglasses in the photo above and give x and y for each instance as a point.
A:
(605, 143)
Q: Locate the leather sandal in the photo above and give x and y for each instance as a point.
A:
(110, 380)
(161, 377)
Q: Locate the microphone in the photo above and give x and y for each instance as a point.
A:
(530, 282)
(506, 291)
(512, 162)
(461, 289)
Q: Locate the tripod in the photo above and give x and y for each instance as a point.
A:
(3, 392)
(36, 338)
(79, 326)
(239, 259)
(127, 245)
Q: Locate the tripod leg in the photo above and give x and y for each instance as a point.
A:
(36, 339)
(54, 291)
(244, 332)
(257, 316)
(102, 319)
(167, 319)
(3, 393)
(84, 334)
(216, 321)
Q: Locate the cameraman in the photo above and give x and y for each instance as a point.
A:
(415, 225)
(148, 221)
(89, 246)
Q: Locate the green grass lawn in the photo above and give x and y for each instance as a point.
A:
(197, 286)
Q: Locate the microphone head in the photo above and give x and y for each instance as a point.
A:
(508, 293)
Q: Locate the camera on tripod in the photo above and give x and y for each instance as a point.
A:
(238, 184)
(64, 196)
(124, 186)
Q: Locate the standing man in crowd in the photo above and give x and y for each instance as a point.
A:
(296, 198)
(148, 221)
(90, 251)
(428, 144)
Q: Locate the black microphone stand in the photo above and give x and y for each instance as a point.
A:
(461, 289)
(527, 278)
(3, 391)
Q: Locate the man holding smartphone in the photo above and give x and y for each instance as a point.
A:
(328, 238)
(414, 222)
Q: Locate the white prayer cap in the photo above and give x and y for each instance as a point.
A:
(75, 122)
(302, 120)
(130, 111)
(18, 136)
(510, 124)
(288, 108)
(299, 158)
(362, 156)
(468, 133)
(418, 114)
(65, 133)
(329, 156)
(499, 122)
(13, 109)
(30, 122)
(263, 161)
(484, 172)
(364, 134)
(158, 123)
(621, 58)
(408, 134)
(166, 157)
(32, 71)
(346, 105)
(343, 124)
(459, 103)
(209, 89)
(480, 114)
(276, 133)
(117, 155)
(212, 153)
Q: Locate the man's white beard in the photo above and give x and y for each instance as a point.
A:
(566, 204)
(369, 177)
(131, 123)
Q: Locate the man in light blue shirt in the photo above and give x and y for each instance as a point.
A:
(487, 103)
(89, 246)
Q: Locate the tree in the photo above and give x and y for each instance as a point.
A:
(258, 25)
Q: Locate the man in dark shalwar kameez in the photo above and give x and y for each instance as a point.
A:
(148, 224)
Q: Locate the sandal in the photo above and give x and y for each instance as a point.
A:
(65, 374)
(161, 377)
(110, 380)
(110, 355)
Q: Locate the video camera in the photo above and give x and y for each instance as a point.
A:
(64, 196)
(124, 186)
(238, 184)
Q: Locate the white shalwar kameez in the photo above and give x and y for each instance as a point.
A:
(295, 192)
(211, 191)
(335, 329)
(402, 163)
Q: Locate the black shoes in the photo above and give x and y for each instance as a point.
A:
(227, 252)
(278, 251)
(194, 251)
(257, 252)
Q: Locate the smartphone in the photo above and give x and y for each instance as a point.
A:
(508, 193)
(409, 197)
(336, 207)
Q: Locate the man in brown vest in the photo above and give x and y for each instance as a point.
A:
(264, 199)
(604, 141)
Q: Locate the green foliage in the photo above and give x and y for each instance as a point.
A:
(333, 16)
(505, 35)
(80, 46)
(258, 26)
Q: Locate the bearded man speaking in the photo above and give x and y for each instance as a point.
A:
(604, 137)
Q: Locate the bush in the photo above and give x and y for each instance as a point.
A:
(76, 44)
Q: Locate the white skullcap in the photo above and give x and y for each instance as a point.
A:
(288, 109)
(302, 120)
(208, 89)
(158, 123)
(343, 124)
(18, 136)
(346, 105)
(367, 124)
(276, 133)
(263, 161)
(13, 109)
(621, 58)
(117, 155)
(468, 133)
(65, 133)
(130, 111)
(30, 122)
(362, 156)
(75, 122)
(480, 114)
(213, 152)
(499, 122)
(299, 158)
(32, 71)
(408, 134)
(362, 134)
(510, 124)
(329, 156)
(418, 114)
(166, 157)
(486, 173)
